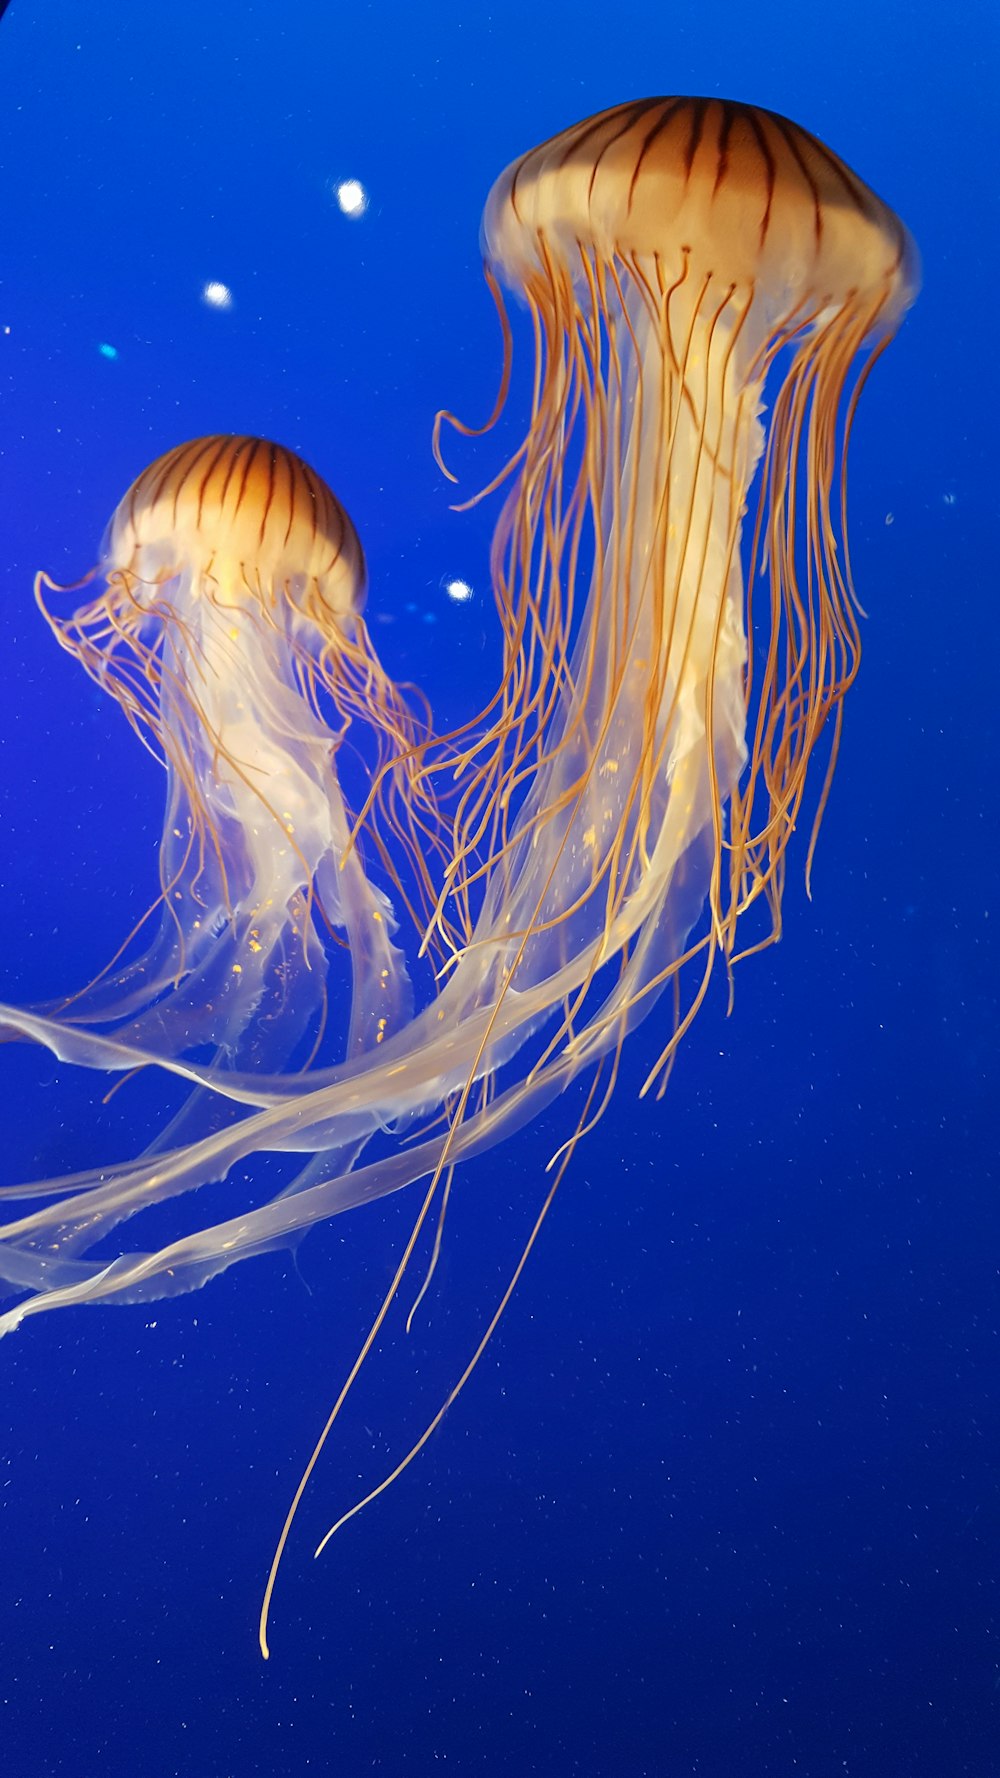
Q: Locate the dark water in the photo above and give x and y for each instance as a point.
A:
(723, 1498)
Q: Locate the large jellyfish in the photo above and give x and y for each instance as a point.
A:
(631, 792)
(229, 630)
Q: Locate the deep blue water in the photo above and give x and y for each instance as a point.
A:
(723, 1498)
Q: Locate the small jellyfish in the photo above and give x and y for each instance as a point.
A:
(229, 630)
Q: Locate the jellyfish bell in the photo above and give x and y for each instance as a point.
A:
(718, 193)
(249, 522)
(230, 630)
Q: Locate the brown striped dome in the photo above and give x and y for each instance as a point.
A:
(242, 509)
(745, 196)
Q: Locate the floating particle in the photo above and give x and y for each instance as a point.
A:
(351, 196)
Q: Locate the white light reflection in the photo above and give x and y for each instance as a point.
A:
(217, 296)
(351, 196)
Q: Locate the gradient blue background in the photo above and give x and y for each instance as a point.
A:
(723, 1499)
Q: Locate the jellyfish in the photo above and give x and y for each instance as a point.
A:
(627, 799)
(229, 630)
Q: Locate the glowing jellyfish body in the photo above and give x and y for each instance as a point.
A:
(669, 252)
(234, 583)
(644, 761)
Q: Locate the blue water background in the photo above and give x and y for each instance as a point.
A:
(723, 1497)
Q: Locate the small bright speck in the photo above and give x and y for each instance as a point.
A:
(351, 196)
(459, 591)
(218, 296)
(107, 351)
